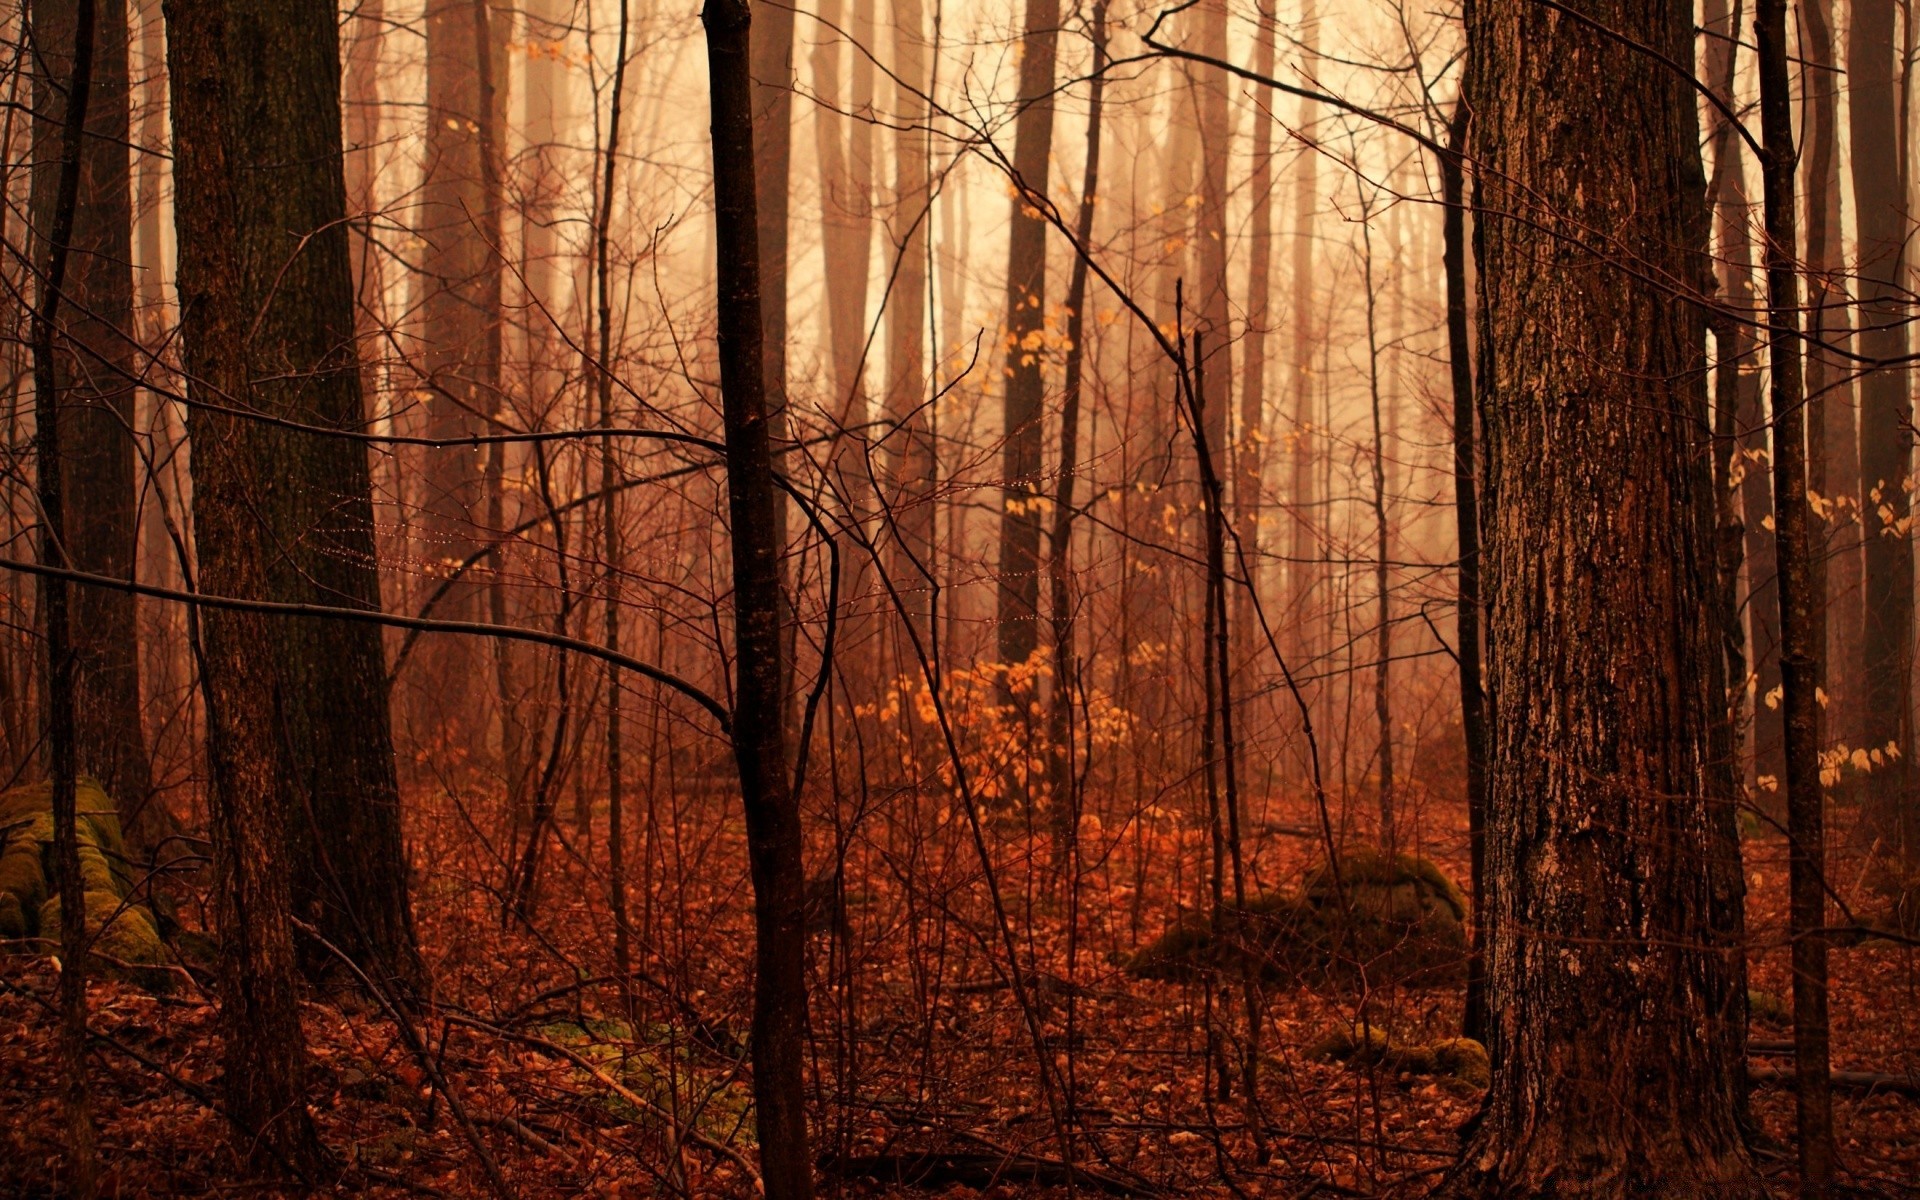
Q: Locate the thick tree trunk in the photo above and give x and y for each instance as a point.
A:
(778, 1037)
(1880, 211)
(1466, 518)
(459, 298)
(1601, 823)
(94, 369)
(1025, 413)
(224, 209)
(303, 501)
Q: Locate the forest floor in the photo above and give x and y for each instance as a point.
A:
(924, 1063)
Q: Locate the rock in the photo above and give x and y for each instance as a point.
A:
(1462, 1059)
(123, 933)
(1381, 918)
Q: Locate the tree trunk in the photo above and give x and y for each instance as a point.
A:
(1600, 822)
(1466, 516)
(778, 1037)
(304, 499)
(1880, 211)
(1833, 449)
(1250, 449)
(910, 447)
(1209, 95)
(1303, 545)
(94, 369)
(232, 221)
(460, 290)
(69, 38)
(1025, 413)
(1060, 545)
(1800, 601)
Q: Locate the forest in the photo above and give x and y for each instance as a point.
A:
(1038, 598)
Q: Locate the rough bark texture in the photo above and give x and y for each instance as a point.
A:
(1466, 513)
(1880, 210)
(210, 50)
(1025, 413)
(1610, 975)
(94, 369)
(778, 1037)
(287, 515)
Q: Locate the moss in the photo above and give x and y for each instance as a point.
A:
(1456, 1058)
(1765, 1008)
(123, 934)
(1464, 1059)
(13, 918)
(1389, 918)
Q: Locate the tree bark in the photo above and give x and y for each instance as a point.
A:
(1833, 449)
(1060, 543)
(1800, 602)
(1250, 449)
(1600, 821)
(1024, 410)
(274, 188)
(59, 145)
(1880, 213)
(1303, 543)
(910, 458)
(225, 212)
(94, 368)
(1466, 519)
(778, 1036)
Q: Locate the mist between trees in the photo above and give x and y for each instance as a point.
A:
(1023, 598)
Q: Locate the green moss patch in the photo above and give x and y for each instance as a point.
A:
(1379, 918)
(123, 934)
(1461, 1059)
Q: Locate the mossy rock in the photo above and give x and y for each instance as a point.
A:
(123, 934)
(1461, 1059)
(1385, 918)
(1765, 1008)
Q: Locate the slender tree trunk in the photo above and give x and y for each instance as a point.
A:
(1250, 449)
(1304, 545)
(1466, 518)
(1800, 602)
(910, 446)
(1880, 211)
(778, 1038)
(1600, 823)
(1066, 665)
(94, 370)
(1833, 449)
(1209, 95)
(1383, 533)
(1025, 413)
(67, 37)
(611, 546)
